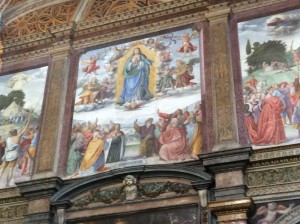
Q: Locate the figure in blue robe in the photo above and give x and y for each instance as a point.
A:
(136, 78)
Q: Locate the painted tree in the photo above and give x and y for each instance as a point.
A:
(4, 102)
(248, 48)
(18, 96)
(272, 50)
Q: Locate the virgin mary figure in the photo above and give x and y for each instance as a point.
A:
(136, 78)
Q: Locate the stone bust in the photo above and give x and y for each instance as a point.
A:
(130, 187)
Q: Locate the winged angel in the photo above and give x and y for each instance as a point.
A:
(270, 212)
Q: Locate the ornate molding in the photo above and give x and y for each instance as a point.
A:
(142, 14)
(40, 20)
(25, 56)
(102, 8)
(267, 190)
(273, 176)
(252, 4)
(139, 30)
(10, 213)
(146, 190)
(218, 12)
(225, 206)
(231, 210)
(29, 41)
(275, 152)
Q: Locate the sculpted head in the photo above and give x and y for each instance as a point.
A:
(129, 180)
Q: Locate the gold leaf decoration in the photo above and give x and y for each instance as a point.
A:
(40, 20)
(102, 8)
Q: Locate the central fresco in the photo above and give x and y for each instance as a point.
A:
(137, 103)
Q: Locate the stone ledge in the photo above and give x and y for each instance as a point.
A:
(227, 160)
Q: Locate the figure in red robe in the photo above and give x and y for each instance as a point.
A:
(173, 137)
(270, 129)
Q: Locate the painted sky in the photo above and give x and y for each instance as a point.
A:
(257, 30)
(34, 89)
(179, 99)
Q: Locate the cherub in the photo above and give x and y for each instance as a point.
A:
(130, 187)
(270, 212)
(92, 67)
(187, 46)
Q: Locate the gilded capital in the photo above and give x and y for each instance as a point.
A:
(231, 210)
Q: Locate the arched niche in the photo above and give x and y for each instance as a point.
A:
(102, 195)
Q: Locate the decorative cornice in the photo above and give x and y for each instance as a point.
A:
(25, 56)
(32, 40)
(140, 15)
(139, 30)
(39, 188)
(189, 171)
(227, 160)
(218, 12)
(66, 29)
(12, 200)
(231, 209)
(276, 189)
(61, 49)
(275, 152)
(273, 176)
(252, 4)
(10, 213)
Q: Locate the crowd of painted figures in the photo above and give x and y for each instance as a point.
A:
(18, 151)
(268, 110)
(174, 137)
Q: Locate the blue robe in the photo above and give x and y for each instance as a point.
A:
(136, 80)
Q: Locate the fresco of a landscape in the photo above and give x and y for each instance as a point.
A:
(21, 98)
(270, 59)
(137, 103)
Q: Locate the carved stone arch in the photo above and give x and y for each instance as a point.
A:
(169, 185)
(292, 217)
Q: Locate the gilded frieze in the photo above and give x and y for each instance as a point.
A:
(273, 176)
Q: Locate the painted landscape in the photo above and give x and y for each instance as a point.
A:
(270, 60)
(137, 103)
(21, 98)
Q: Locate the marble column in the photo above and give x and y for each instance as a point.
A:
(224, 109)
